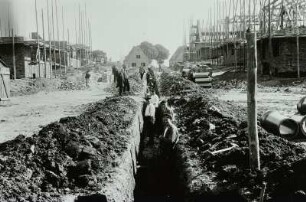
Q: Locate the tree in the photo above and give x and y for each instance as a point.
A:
(163, 53)
(155, 52)
(149, 49)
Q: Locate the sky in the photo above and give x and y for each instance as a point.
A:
(117, 25)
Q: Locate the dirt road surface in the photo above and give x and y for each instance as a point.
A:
(267, 99)
(27, 114)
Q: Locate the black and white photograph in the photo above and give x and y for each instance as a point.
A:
(152, 100)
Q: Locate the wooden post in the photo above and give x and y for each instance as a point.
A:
(68, 46)
(49, 37)
(64, 46)
(297, 43)
(53, 39)
(45, 52)
(252, 103)
(270, 40)
(14, 57)
(58, 37)
(38, 48)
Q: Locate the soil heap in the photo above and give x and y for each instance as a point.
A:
(74, 155)
(207, 126)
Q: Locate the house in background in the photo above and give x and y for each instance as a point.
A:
(136, 58)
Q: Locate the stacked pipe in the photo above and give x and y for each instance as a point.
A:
(203, 79)
(288, 127)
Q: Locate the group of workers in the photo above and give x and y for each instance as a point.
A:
(158, 116)
(121, 79)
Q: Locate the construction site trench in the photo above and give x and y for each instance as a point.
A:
(97, 155)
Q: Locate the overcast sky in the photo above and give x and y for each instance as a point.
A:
(117, 25)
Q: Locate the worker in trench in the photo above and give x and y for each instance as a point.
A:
(115, 73)
(126, 83)
(149, 120)
(120, 82)
(141, 72)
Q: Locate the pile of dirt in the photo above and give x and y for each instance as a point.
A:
(20, 87)
(69, 85)
(74, 155)
(176, 85)
(207, 126)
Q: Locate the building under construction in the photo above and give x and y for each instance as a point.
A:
(280, 32)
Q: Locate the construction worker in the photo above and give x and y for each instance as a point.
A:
(141, 72)
(126, 83)
(155, 99)
(149, 120)
(87, 77)
(115, 73)
(120, 82)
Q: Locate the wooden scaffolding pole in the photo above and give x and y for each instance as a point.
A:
(53, 39)
(44, 45)
(297, 43)
(38, 48)
(49, 37)
(64, 45)
(58, 37)
(14, 56)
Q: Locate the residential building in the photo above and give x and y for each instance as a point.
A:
(136, 58)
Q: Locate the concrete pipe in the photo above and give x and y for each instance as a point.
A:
(275, 123)
(201, 75)
(205, 85)
(301, 106)
(203, 80)
(301, 121)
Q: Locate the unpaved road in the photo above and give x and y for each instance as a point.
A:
(267, 99)
(27, 114)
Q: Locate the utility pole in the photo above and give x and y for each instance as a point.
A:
(38, 48)
(251, 101)
(45, 52)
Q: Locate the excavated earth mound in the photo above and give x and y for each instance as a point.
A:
(209, 126)
(74, 155)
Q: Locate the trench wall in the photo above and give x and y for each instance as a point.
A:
(120, 184)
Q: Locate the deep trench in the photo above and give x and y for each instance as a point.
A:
(157, 177)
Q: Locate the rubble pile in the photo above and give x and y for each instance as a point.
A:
(74, 155)
(214, 134)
